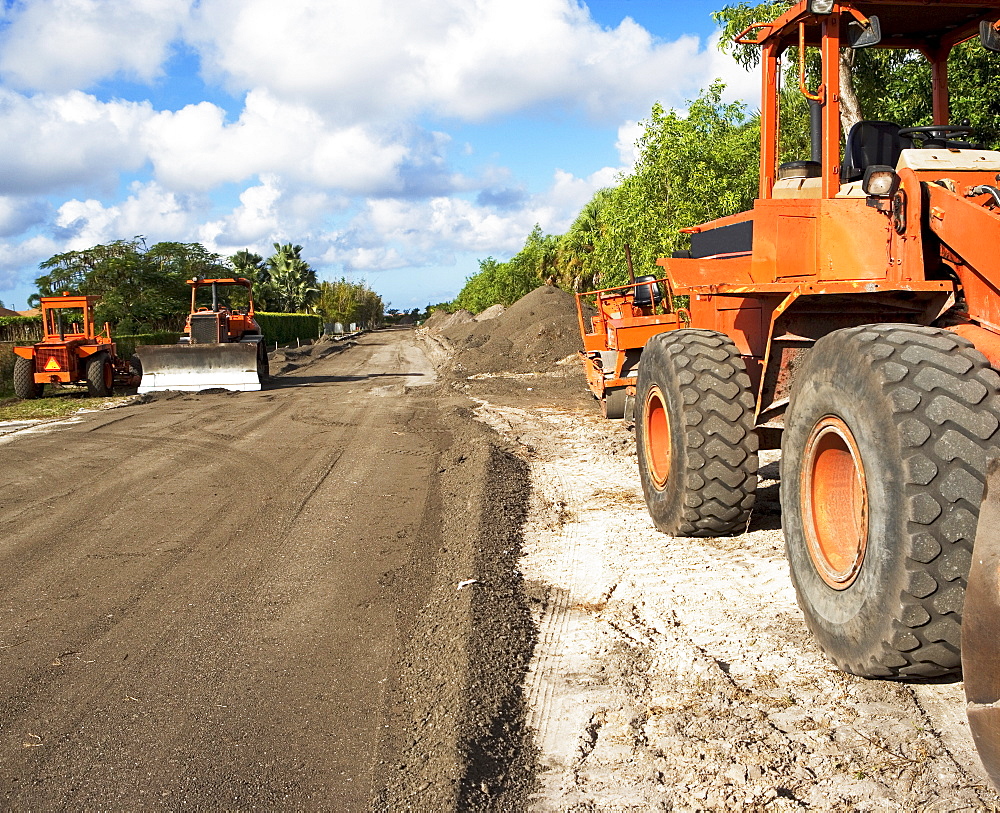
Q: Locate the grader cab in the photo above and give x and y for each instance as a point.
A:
(853, 316)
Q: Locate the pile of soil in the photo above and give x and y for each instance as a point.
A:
(523, 356)
(530, 336)
(286, 359)
(442, 321)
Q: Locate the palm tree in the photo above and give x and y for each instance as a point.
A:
(576, 247)
(252, 266)
(292, 280)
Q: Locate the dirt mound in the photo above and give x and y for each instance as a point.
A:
(492, 312)
(530, 336)
(436, 320)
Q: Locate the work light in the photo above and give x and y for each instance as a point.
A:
(880, 181)
(820, 6)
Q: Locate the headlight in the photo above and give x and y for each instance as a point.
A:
(820, 6)
(880, 181)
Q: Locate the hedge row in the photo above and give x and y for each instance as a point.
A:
(285, 328)
(6, 368)
(20, 328)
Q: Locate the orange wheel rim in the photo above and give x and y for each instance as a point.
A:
(657, 436)
(109, 376)
(835, 500)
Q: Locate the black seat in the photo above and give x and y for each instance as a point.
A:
(869, 143)
(646, 295)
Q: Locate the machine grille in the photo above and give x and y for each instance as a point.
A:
(52, 359)
(205, 328)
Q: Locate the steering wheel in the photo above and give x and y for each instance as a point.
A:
(936, 132)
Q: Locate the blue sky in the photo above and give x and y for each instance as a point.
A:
(398, 141)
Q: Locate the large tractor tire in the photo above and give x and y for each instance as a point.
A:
(884, 457)
(100, 376)
(24, 379)
(694, 434)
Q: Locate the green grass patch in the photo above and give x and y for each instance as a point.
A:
(60, 405)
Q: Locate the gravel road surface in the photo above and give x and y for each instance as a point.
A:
(235, 601)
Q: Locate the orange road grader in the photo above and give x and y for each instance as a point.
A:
(853, 317)
(222, 346)
(73, 351)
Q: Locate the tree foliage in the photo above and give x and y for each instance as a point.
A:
(289, 284)
(692, 168)
(889, 84)
(505, 283)
(140, 287)
(349, 303)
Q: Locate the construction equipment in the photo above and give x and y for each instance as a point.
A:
(853, 316)
(222, 346)
(72, 352)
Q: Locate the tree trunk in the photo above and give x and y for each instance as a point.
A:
(850, 109)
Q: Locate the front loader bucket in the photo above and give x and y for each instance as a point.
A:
(193, 367)
(981, 631)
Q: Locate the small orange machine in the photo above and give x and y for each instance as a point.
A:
(72, 352)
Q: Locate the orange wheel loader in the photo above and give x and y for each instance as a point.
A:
(853, 317)
(72, 352)
(222, 346)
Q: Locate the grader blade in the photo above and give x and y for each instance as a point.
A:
(981, 631)
(194, 367)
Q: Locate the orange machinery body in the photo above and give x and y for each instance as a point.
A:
(219, 324)
(60, 358)
(815, 255)
(619, 329)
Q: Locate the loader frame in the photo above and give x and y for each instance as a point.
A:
(851, 317)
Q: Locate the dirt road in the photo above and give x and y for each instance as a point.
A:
(251, 601)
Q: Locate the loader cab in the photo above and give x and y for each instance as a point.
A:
(931, 29)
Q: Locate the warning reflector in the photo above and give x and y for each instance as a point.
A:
(52, 364)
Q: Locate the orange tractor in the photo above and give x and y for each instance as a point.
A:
(72, 352)
(222, 346)
(853, 317)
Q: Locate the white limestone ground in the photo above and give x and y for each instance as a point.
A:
(678, 674)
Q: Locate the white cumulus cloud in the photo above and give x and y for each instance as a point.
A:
(387, 59)
(55, 142)
(58, 45)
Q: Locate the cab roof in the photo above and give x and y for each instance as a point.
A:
(918, 24)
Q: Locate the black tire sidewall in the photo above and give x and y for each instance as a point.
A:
(24, 379)
(864, 610)
(923, 407)
(657, 369)
(97, 385)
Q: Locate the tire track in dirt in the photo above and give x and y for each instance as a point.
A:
(213, 601)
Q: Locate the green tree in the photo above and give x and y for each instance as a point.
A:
(576, 252)
(141, 287)
(250, 265)
(349, 302)
(505, 283)
(880, 84)
(692, 168)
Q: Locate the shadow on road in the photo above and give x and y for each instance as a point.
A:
(285, 381)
